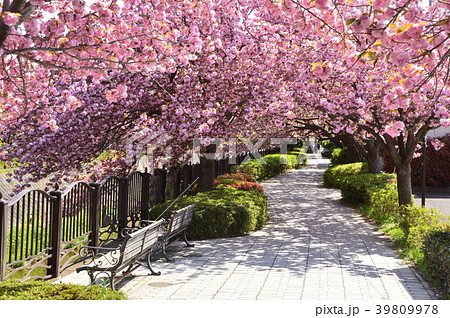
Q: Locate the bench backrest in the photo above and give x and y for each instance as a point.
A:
(189, 211)
(181, 218)
(176, 221)
(140, 241)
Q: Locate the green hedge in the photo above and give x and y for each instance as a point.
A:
(236, 205)
(40, 290)
(358, 188)
(221, 212)
(332, 177)
(410, 227)
(437, 258)
(328, 148)
(272, 165)
(340, 156)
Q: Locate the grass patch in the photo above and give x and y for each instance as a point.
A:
(40, 290)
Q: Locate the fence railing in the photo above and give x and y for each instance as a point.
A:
(40, 232)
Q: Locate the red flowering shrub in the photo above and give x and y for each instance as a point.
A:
(234, 176)
(238, 181)
(437, 165)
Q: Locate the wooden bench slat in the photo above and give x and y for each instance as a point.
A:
(177, 224)
(142, 242)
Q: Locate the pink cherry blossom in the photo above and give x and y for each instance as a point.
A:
(152, 71)
(437, 144)
(395, 128)
(323, 4)
(11, 19)
(380, 4)
(400, 58)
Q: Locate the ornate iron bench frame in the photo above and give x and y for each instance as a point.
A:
(137, 244)
(177, 224)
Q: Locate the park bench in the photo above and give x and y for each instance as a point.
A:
(137, 243)
(175, 225)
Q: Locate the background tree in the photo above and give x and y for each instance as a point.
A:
(382, 68)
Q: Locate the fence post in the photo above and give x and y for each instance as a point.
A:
(172, 183)
(145, 195)
(216, 168)
(3, 229)
(95, 214)
(196, 171)
(179, 182)
(55, 234)
(160, 185)
(223, 169)
(186, 176)
(227, 165)
(123, 203)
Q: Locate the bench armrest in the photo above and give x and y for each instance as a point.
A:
(128, 230)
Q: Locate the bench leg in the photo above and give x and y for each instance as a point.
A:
(164, 252)
(111, 280)
(148, 258)
(91, 277)
(129, 269)
(186, 241)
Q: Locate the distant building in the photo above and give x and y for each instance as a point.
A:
(438, 132)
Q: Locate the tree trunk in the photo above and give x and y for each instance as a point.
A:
(374, 160)
(404, 184)
(351, 145)
(207, 171)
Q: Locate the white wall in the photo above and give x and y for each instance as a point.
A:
(439, 132)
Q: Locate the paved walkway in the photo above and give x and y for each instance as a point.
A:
(313, 248)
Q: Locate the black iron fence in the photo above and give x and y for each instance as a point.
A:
(41, 232)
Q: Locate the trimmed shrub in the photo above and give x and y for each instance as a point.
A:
(382, 205)
(241, 185)
(234, 176)
(340, 156)
(332, 177)
(221, 212)
(437, 257)
(418, 222)
(238, 181)
(358, 188)
(251, 167)
(273, 165)
(328, 148)
(40, 290)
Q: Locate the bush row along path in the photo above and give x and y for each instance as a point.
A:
(312, 248)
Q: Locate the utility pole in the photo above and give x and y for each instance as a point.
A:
(424, 169)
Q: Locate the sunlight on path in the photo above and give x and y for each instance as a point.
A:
(312, 248)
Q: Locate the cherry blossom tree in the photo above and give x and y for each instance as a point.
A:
(383, 73)
(221, 92)
(44, 43)
(170, 71)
